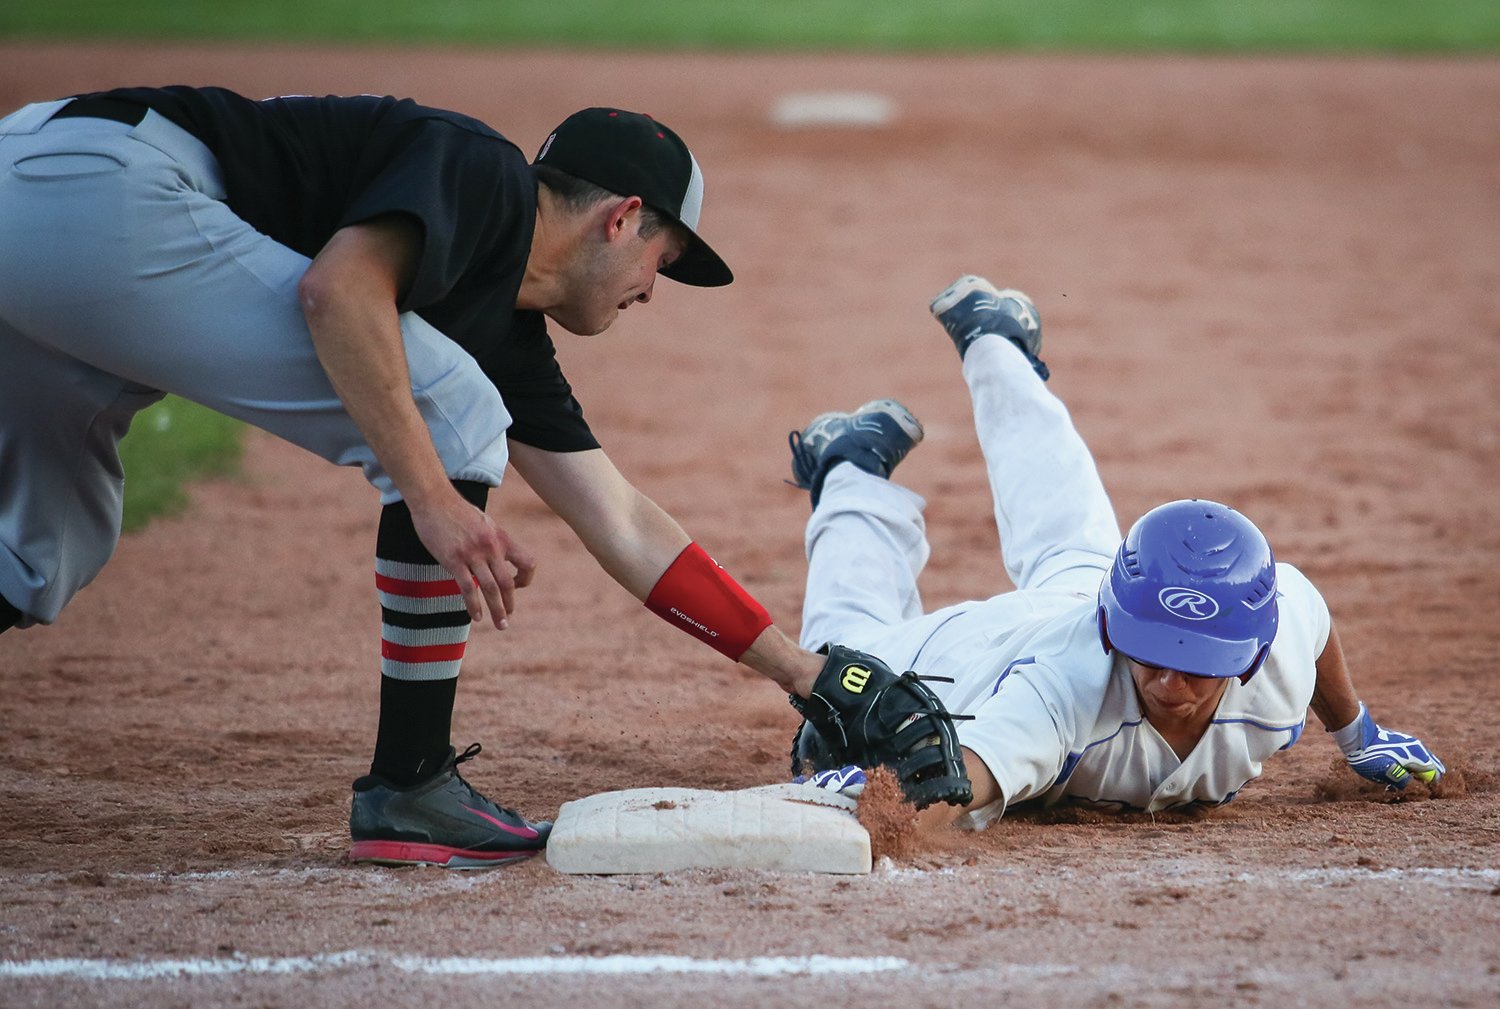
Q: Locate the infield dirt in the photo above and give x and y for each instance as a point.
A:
(1269, 282)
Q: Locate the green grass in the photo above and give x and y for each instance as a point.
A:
(169, 444)
(1117, 25)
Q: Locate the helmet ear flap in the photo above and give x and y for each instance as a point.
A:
(1260, 660)
(1103, 629)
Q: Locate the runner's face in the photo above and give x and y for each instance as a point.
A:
(613, 275)
(1176, 699)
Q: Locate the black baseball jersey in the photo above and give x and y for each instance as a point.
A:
(300, 168)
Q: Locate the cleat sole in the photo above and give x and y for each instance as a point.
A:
(411, 853)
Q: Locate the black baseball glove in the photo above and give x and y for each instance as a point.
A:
(861, 712)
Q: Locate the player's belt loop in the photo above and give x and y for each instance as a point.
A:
(115, 109)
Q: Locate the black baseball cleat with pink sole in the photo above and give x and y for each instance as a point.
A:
(441, 821)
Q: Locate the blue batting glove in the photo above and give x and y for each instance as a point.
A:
(1384, 756)
(847, 780)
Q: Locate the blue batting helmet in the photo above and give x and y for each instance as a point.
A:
(1193, 588)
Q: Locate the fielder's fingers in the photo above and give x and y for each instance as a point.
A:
(507, 587)
(525, 565)
(473, 601)
(496, 594)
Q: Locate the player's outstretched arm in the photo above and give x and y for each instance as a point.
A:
(1382, 755)
(648, 553)
(349, 296)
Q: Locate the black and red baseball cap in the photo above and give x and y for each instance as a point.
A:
(634, 155)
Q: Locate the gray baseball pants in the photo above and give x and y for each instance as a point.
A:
(123, 276)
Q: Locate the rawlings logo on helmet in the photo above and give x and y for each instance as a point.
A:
(1193, 588)
(1189, 604)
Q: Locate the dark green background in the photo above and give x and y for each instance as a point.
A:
(1113, 25)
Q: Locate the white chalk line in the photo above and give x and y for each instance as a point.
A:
(1202, 873)
(1194, 871)
(618, 965)
(662, 966)
(1345, 875)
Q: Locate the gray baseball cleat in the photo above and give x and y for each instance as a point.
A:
(971, 306)
(875, 437)
(440, 821)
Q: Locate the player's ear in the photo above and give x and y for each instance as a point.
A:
(621, 214)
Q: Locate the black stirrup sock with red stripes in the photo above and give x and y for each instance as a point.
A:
(424, 629)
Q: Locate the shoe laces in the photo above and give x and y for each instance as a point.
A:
(802, 462)
(470, 752)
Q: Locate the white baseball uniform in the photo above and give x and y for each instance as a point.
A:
(1055, 718)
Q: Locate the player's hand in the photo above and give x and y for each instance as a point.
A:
(477, 553)
(871, 717)
(849, 780)
(1385, 756)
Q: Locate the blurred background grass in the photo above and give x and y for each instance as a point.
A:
(1396, 26)
(169, 444)
(176, 441)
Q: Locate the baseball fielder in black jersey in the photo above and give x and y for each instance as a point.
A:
(369, 279)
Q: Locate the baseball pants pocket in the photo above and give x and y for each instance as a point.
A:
(65, 166)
